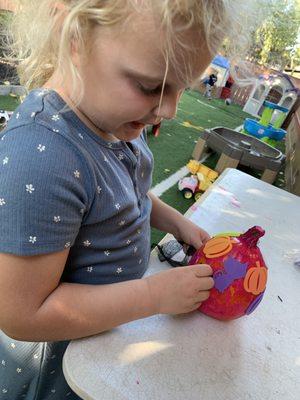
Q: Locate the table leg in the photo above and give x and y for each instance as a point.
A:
(269, 176)
(226, 162)
(199, 149)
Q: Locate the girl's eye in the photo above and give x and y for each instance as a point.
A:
(150, 91)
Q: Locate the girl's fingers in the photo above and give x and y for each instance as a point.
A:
(206, 283)
(202, 296)
(202, 270)
(195, 306)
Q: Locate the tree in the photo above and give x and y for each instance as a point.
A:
(273, 41)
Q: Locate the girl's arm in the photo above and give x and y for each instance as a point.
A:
(167, 219)
(164, 217)
(36, 306)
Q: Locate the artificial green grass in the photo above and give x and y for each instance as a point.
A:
(9, 103)
(173, 148)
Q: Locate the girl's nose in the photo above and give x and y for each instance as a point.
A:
(167, 109)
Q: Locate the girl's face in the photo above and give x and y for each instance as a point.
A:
(123, 77)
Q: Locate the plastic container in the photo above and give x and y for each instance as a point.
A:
(258, 130)
(249, 150)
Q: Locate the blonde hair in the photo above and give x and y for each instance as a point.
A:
(43, 31)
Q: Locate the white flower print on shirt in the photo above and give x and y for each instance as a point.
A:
(55, 117)
(35, 356)
(107, 253)
(120, 156)
(142, 174)
(119, 270)
(121, 223)
(76, 173)
(80, 135)
(87, 243)
(19, 370)
(3, 363)
(41, 93)
(67, 245)
(3, 137)
(89, 269)
(41, 148)
(105, 159)
(82, 211)
(2, 202)
(18, 115)
(117, 206)
(56, 218)
(32, 239)
(12, 345)
(4, 390)
(128, 241)
(135, 249)
(55, 130)
(30, 188)
(140, 261)
(99, 189)
(5, 160)
(33, 114)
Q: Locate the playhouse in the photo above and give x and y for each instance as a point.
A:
(221, 65)
(277, 88)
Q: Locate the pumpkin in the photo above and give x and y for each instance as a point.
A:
(239, 273)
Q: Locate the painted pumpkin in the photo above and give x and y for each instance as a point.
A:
(239, 272)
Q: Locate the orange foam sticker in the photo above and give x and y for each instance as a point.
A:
(217, 247)
(256, 280)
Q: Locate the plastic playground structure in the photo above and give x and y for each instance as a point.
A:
(264, 128)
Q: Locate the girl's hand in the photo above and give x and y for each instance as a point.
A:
(190, 233)
(180, 290)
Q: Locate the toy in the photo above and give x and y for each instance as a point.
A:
(263, 127)
(237, 148)
(189, 186)
(4, 117)
(200, 180)
(239, 272)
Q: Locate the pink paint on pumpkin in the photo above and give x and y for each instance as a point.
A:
(229, 299)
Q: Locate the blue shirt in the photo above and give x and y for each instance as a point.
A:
(63, 186)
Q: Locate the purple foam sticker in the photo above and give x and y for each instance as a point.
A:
(233, 269)
(254, 304)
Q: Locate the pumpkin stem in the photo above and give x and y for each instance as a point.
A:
(251, 237)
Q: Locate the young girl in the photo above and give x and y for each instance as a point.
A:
(75, 175)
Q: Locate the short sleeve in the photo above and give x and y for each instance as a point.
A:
(45, 189)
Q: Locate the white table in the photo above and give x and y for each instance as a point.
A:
(194, 357)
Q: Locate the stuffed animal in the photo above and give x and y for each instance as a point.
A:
(239, 272)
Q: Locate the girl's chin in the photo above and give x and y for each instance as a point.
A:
(130, 131)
